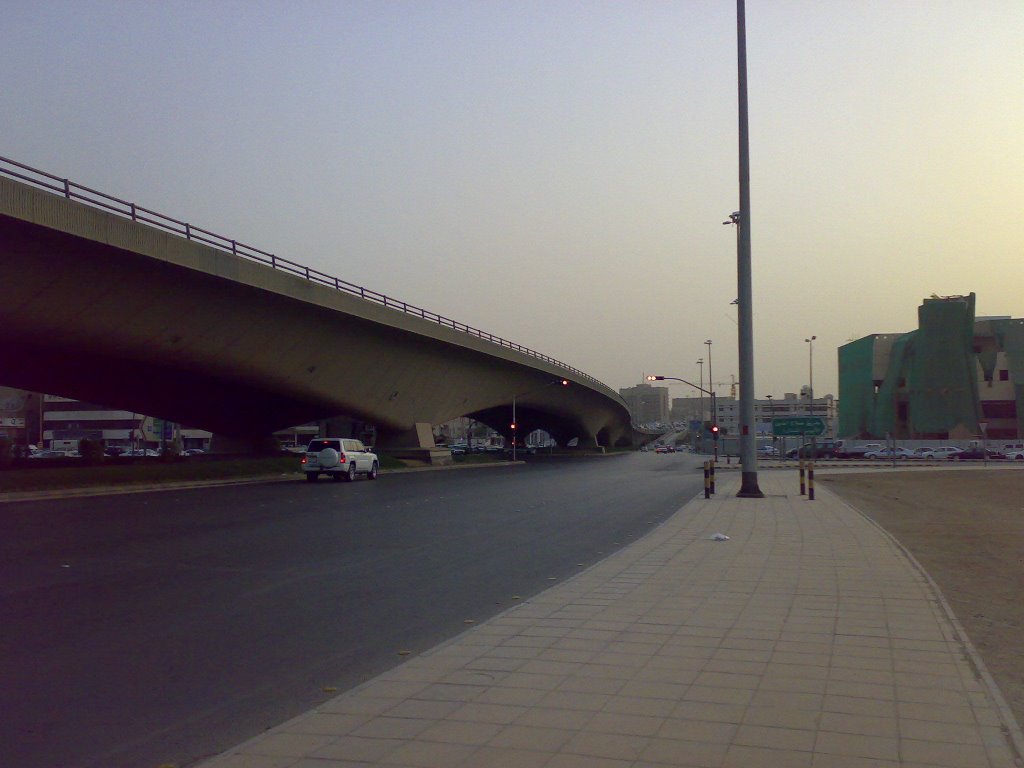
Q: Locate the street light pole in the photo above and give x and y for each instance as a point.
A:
(700, 365)
(810, 391)
(810, 374)
(748, 456)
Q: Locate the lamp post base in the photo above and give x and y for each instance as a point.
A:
(748, 487)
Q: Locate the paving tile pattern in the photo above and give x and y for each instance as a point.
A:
(809, 639)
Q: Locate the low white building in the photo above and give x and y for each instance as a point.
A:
(790, 404)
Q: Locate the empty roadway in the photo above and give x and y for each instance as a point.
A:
(158, 628)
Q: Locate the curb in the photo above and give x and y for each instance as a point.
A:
(179, 485)
(1010, 727)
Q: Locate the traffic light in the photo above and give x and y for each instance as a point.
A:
(714, 432)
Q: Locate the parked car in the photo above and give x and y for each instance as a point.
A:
(936, 451)
(846, 451)
(47, 454)
(340, 458)
(899, 452)
(824, 449)
(975, 454)
(199, 451)
(1014, 451)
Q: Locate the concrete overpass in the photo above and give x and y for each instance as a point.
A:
(108, 302)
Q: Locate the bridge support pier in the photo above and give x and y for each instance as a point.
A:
(416, 443)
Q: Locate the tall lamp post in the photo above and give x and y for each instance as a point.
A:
(711, 386)
(810, 391)
(700, 365)
(810, 374)
(748, 456)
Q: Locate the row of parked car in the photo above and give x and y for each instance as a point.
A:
(947, 452)
(877, 451)
(112, 450)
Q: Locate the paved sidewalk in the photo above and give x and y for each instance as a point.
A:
(808, 639)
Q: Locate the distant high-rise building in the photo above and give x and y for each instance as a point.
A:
(647, 404)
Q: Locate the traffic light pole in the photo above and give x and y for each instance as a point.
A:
(714, 410)
(515, 422)
(714, 423)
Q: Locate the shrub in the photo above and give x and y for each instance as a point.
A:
(171, 452)
(91, 451)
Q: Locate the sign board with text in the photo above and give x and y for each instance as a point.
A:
(811, 426)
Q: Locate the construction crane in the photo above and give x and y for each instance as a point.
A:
(733, 384)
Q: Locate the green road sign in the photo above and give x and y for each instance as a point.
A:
(811, 426)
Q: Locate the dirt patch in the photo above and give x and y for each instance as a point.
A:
(966, 528)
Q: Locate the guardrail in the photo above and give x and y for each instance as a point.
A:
(97, 199)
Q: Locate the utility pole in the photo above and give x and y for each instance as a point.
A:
(748, 455)
(700, 366)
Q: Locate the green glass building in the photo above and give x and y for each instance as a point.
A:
(954, 377)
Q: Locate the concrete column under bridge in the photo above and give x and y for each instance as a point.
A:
(417, 444)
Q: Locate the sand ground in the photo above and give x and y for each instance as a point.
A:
(966, 528)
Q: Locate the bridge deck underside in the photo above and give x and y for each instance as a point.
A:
(86, 319)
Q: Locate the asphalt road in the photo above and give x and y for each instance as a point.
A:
(161, 628)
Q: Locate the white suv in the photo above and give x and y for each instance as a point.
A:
(340, 457)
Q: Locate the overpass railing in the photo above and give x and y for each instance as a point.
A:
(97, 199)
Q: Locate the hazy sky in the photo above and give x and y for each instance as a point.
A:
(557, 173)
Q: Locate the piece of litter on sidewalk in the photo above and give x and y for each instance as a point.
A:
(718, 537)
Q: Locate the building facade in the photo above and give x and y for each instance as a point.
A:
(19, 416)
(790, 404)
(66, 421)
(955, 377)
